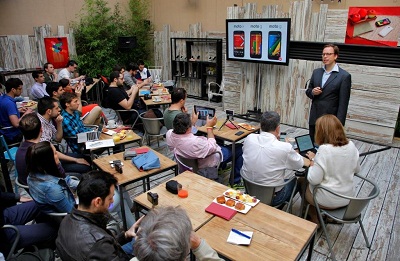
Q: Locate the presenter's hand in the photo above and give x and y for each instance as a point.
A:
(316, 91)
(211, 121)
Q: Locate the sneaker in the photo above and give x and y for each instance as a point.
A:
(238, 186)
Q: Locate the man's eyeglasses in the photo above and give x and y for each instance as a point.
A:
(327, 54)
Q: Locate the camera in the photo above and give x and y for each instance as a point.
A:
(153, 198)
(229, 114)
(118, 166)
(147, 96)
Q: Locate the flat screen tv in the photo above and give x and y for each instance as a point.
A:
(258, 40)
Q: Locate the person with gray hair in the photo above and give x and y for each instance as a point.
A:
(265, 158)
(167, 234)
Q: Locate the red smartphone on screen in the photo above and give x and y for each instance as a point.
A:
(255, 44)
(238, 43)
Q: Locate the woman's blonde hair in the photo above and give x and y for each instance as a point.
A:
(329, 130)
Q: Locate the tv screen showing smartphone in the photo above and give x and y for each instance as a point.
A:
(274, 45)
(255, 44)
(238, 43)
(204, 111)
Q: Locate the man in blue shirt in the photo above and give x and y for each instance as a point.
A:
(72, 124)
(9, 113)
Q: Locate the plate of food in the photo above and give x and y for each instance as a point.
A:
(242, 197)
(232, 204)
(30, 103)
(246, 126)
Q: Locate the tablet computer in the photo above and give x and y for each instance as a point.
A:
(204, 111)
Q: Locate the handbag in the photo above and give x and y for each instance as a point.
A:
(146, 161)
(44, 254)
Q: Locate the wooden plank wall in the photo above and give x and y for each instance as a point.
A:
(375, 96)
(27, 51)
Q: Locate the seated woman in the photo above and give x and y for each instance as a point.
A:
(48, 185)
(94, 117)
(332, 167)
(52, 190)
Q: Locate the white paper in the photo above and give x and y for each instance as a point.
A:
(99, 144)
(237, 239)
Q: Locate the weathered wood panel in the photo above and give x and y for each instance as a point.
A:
(369, 132)
(336, 23)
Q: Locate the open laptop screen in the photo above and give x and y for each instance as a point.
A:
(304, 143)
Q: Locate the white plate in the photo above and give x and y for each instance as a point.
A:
(246, 207)
(234, 192)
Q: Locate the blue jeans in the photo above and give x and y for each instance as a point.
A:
(284, 194)
(227, 155)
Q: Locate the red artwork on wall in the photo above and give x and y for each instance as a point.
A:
(57, 51)
(378, 26)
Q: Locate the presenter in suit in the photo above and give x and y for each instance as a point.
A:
(329, 89)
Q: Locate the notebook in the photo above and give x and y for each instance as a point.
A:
(221, 211)
(305, 144)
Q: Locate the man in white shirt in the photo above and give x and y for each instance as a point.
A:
(38, 90)
(143, 73)
(69, 71)
(265, 158)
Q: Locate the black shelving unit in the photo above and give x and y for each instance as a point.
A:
(188, 65)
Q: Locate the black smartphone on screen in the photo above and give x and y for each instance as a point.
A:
(238, 43)
(274, 45)
(255, 44)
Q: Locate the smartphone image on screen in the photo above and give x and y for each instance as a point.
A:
(382, 22)
(255, 44)
(274, 45)
(238, 43)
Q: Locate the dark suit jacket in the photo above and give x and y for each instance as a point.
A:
(335, 95)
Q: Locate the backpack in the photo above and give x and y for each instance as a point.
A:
(45, 254)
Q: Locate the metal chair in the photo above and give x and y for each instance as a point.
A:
(118, 112)
(9, 154)
(348, 214)
(152, 127)
(219, 91)
(15, 242)
(266, 193)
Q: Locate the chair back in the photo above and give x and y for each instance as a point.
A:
(356, 205)
(152, 126)
(264, 193)
(186, 164)
(15, 240)
(156, 73)
(7, 153)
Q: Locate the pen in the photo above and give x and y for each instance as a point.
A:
(240, 233)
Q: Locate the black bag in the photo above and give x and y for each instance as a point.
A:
(45, 254)
(172, 186)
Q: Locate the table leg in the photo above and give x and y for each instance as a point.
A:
(148, 183)
(121, 202)
(144, 185)
(136, 207)
(232, 177)
(311, 247)
(176, 171)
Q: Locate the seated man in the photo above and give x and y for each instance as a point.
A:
(265, 158)
(38, 90)
(119, 99)
(49, 73)
(129, 78)
(153, 242)
(92, 111)
(143, 74)
(178, 99)
(72, 123)
(9, 113)
(187, 145)
(83, 234)
(69, 72)
(49, 112)
(39, 234)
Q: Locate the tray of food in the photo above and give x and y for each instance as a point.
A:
(242, 197)
(246, 126)
(29, 103)
(232, 204)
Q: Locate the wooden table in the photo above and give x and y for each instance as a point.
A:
(164, 100)
(135, 138)
(201, 190)
(131, 174)
(277, 235)
(227, 134)
(90, 86)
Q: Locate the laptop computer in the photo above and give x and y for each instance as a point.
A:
(305, 144)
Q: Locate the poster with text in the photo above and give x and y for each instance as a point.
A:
(379, 26)
(57, 51)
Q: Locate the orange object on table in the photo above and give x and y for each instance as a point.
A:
(183, 193)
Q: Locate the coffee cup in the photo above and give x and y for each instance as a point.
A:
(111, 123)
